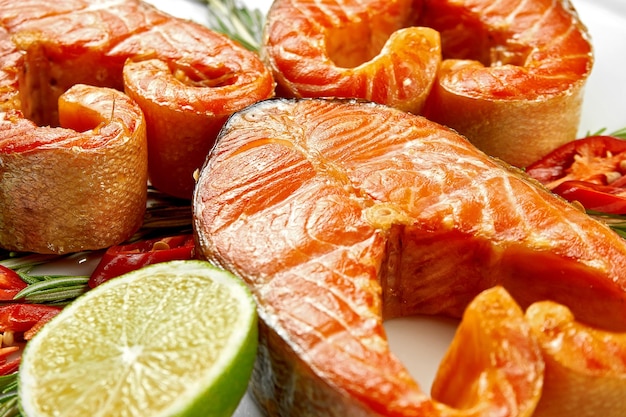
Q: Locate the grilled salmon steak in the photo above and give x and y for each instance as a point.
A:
(77, 187)
(509, 75)
(186, 78)
(341, 214)
(513, 75)
(352, 49)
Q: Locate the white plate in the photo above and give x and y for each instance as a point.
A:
(421, 342)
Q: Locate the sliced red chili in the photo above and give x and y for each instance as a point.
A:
(9, 359)
(595, 197)
(118, 260)
(10, 283)
(28, 334)
(22, 317)
(582, 159)
(588, 170)
(10, 366)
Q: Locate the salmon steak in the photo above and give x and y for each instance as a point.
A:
(340, 214)
(184, 81)
(508, 75)
(352, 49)
(62, 189)
(186, 78)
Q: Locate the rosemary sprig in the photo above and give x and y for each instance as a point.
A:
(8, 403)
(620, 133)
(52, 289)
(9, 396)
(9, 406)
(14, 260)
(238, 22)
(44, 288)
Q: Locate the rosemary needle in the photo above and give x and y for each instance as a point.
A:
(237, 22)
(54, 289)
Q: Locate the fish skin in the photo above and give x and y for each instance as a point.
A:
(62, 190)
(585, 372)
(340, 214)
(513, 75)
(102, 42)
(509, 75)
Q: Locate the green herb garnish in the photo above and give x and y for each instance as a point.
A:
(237, 22)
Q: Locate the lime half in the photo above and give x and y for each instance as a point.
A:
(175, 338)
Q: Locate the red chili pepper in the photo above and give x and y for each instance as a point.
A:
(9, 364)
(10, 283)
(118, 260)
(588, 170)
(23, 317)
(595, 197)
(10, 367)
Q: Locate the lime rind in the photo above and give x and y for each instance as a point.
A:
(216, 391)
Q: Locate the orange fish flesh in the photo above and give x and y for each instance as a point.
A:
(509, 75)
(352, 49)
(186, 78)
(494, 363)
(340, 214)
